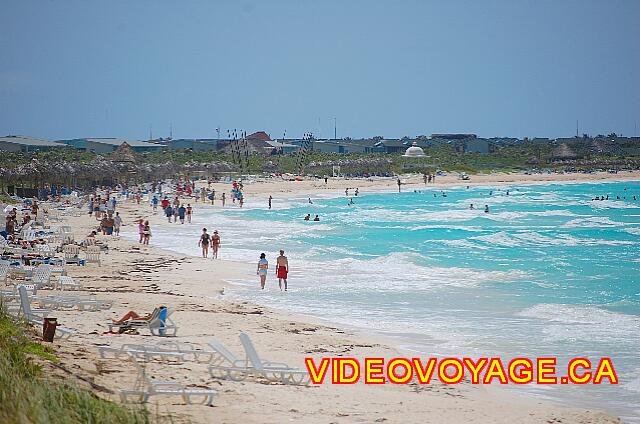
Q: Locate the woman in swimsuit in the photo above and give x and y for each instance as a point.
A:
(215, 244)
(189, 212)
(204, 242)
(141, 230)
(146, 233)
(263, 266)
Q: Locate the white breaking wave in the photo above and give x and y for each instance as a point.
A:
(633, 230)
(612, 204)
(535, 239)
(592, 222)
(587, 323)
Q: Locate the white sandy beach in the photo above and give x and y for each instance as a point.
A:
(140, 278)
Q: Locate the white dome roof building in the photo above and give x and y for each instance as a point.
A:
(414, 151)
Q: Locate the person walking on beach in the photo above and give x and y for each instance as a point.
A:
(399, 185)
(154, 202)
(175, 214)
(282, 269)
(182, 211)
(263, 266)
(205, 238)
(270, 199)
(117, 222)
(215, 244)
(169, 213)
(107, 225)
(189, 212)
(141, 230)
(224, 199)
(357, 191)
(146, 233)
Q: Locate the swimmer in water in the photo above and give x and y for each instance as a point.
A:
(471, 206)
(351, 202)
(486, 208)
(316, 219)
(307, 217)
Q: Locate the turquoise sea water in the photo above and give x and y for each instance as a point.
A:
(548, 272)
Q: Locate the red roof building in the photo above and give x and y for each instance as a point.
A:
(260, 135)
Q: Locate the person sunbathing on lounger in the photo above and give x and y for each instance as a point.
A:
(131, 315)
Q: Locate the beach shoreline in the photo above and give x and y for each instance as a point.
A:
(140, 277)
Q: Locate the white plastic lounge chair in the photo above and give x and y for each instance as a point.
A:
(71, 254)
(67, 282)
(160, 323)
(66, 236)
(70, 302)
(42, 276)
(273, 371)
(36, 316)
(93, 255)
(164, 351)
(226, 365)
(191, 351)
(43, 248)
(25, 306)
(4, 273)
(145, 387)
(139, 351)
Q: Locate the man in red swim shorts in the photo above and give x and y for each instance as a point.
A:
(282, 269)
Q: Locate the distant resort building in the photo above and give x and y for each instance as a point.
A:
(108, 145)
(564, 149)
(18, 143)
(194, 144)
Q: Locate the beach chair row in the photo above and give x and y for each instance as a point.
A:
(45, 305)
(40, 276)
(223, 363)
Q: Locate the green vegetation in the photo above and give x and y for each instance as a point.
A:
(26, 396)
(6, 199)
(74, 168)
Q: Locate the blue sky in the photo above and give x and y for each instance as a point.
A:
(391, 68)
